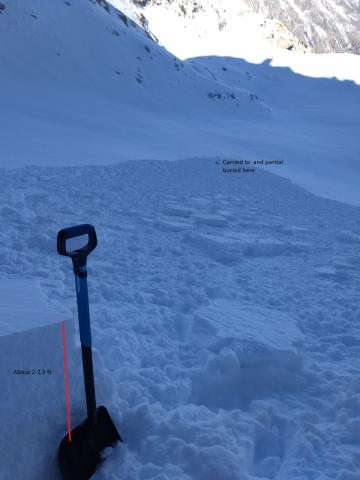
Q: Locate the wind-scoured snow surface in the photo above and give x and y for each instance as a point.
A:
(224, 312)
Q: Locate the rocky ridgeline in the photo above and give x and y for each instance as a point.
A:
(320, 26)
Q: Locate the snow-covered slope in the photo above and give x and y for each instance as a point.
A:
(224, 306)
(81, 84)
(218, 28)
(225, 315)
(321, 26)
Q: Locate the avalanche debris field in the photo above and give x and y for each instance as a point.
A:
(225, 312)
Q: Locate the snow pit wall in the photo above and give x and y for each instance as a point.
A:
(32, 401)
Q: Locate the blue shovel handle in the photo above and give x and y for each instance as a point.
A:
(79, 257)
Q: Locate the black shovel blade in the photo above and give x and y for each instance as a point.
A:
(79, 458)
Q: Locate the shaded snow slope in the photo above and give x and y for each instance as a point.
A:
(198, 394)
(312, 124)
(82, 84)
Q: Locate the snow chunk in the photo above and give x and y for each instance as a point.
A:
(256, 324)
(259, 357)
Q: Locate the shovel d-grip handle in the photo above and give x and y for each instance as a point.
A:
(78, 257)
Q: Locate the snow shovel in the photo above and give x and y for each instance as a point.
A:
(79, 458)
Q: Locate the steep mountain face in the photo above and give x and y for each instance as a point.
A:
(320, 26)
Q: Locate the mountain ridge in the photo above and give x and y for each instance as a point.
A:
(319, 26)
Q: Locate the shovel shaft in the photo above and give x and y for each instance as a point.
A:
(85, 338)
(89, 381)
(82, 297)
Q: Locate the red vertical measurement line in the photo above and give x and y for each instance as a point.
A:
(66, 380)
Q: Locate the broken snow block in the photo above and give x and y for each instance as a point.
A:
(254, 354)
